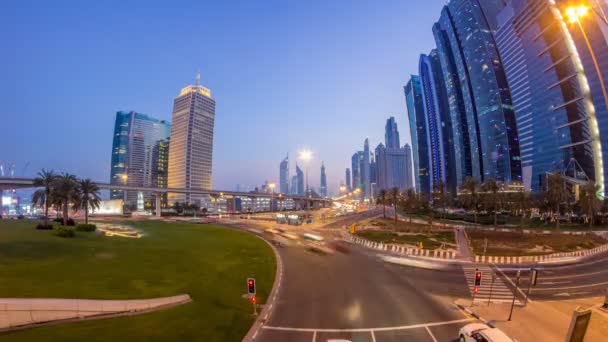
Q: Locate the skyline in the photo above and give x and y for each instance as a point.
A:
(288, 62)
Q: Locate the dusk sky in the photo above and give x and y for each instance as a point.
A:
(286, 75)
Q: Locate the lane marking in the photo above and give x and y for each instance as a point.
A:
(430, 333)
(569, 287)
(314, 336)
(373, 336)
(512, 283)
(401, 327)
(576, 275)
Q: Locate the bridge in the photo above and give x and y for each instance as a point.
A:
(7, 183)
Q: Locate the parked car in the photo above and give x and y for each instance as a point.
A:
(479, 332)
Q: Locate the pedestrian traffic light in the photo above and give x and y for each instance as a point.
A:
(254, 299)
(476, 290)
(251, 286)
(477, 278)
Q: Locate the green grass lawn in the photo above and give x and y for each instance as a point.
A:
(412, 239)
(209, 263)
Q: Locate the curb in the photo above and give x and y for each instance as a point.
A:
(467, 310)
(267, 309)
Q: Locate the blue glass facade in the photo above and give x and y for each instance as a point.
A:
(416, 118)
(489, 112)
(549, 101)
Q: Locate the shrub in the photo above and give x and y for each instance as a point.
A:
(43, 226)
(66, 232)
(86, 227)
(70, 221)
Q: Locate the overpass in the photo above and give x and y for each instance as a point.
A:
(7, 183)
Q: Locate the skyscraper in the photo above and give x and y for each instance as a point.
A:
(391, 134)
(191, 150)
(348, 182)
(373, 175)
(284, 175)
(300, 181)
(323, 185)
(469, 27)
(417, 120)
(138, 156)
(408, 167)
(439, 127)
(365, 171)
(391, 165)
(355, 164)
(294, 185)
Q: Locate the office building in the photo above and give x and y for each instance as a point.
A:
(409, 181)
(348, 182)
(323, 184)
(355, 164)
(417, 120)
(284, 176)
(365, 171)
(391, 135)
(139, 156)
(191, 150)
(300, 181)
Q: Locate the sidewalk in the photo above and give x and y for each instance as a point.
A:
(543, 321)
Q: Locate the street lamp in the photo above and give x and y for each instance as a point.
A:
(271, 186)
(576, 12)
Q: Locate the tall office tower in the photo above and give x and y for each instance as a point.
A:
(365, 171)
(137, 159)
(391, 166)
(284, 175)
(417, 120)
(391, 134)
(294, 185)
(191, 150)
(300, 181)
(348, 182)
(355, 164)
(408, 167)
(323, 184)
(469, 27)
(439, 126)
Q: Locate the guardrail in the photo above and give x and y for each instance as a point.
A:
(401, 249)
(540, 258)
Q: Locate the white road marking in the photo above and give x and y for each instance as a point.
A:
(510, 281)
(314, 336)
(401, 327)
(430, 333)
(373, 336)
(569, 287)
(574, 275)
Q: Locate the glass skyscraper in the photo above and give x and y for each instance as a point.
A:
(416, 117)
(348, 181)
(391, 135)
(139, 156)
(284, 176)
(191, 150)
(323, 182)
(408, 167)
(469, 27)
(355, 164)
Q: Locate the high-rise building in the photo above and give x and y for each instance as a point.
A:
(408, 167)
(323, 185)
(191, 150)
(365, 171)
(138, 156)
(391, 165)
(468, 26)
(294, 185)
(300, 181)
(348, 182)
(373, 175)
(355, 164)
(417, 120)
(391, 135)
(284, 175)
(439, 126)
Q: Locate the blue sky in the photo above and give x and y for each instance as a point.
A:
(286, 75)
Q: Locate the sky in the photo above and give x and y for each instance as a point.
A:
(286, 76)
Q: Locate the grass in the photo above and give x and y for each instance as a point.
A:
(429, 240)
(209, 263)
(519, 244)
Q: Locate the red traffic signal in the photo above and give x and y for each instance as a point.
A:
(251, 286)
(477, 278)
(476, 290)
(254, 299)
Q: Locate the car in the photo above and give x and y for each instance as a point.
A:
(479, 332)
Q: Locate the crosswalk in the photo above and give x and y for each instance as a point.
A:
(500, 292)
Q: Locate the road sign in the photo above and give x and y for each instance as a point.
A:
(251, 286)
(352, 229)
(578, 325)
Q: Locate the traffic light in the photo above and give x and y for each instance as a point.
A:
(476, 290)
(251, 286)
(534, 277)
(477, 278)
(254, 299)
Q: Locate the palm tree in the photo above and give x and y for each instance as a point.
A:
(470, 185)
(411, 202)
(490, 186)
(588, 200)
(395, 195)
(67, 192)
(42, 197)
(89, 196)
(381, 199)
(556, 192)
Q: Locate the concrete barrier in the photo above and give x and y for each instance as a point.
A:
(400, 249)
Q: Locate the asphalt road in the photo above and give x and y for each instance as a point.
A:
(354, 296)
(585, 279)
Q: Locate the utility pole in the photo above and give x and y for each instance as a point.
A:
(514, 293)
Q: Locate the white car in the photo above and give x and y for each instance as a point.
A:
(479, 332)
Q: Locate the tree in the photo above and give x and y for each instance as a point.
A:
(490, 187)
(411, 203)
(89, 196)
(588, 200)
(556, 193)
(42, 197)
(470, 185)
(439, 194)
(521, 202)
(381, 199)
(67, 191)
(395, 196)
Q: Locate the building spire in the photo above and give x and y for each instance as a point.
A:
(198, 77)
